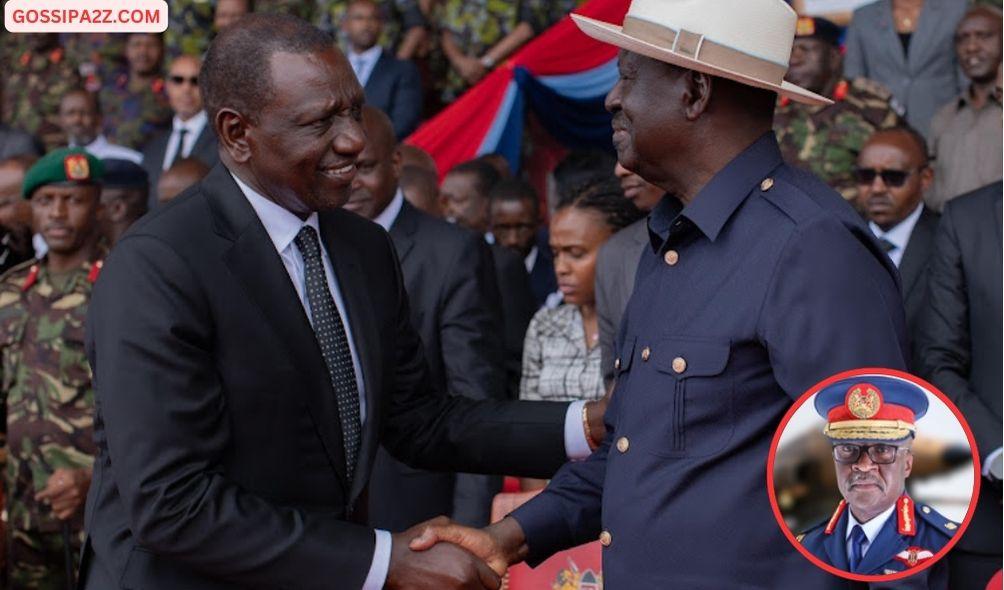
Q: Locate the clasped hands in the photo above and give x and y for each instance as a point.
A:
(439, 554)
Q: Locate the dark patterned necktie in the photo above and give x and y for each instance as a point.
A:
(887, 246)
(334, 344)
(180, 149)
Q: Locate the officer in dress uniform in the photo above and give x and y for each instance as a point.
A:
(45, 381)
(877, 529)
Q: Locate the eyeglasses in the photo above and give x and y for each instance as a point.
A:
(891, 178)
(880, 454)
(179, 80)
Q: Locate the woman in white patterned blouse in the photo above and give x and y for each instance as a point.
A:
(561, 359)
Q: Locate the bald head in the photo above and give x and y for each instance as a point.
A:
(378, 167)
(906, 139)
(893, 174)
(379, 131)
(412, 155)
(183, 174)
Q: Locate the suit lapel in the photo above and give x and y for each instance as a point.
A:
(887, 32)
(402, 231)
(918, 250)
(886, 544)
(927, 24)
(258, 267)
(377, 73)
(835, 544)
(345, 259)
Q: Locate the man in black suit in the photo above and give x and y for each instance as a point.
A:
(893, 173)
(960, 346)
(450, 283)
(515, 223)
(252, 346)
(191, 134)
(464, 199)
(391, 85)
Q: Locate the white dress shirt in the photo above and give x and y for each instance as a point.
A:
(193, 128)
(282, 227)
(106, 150)
(531, 258)
(871, 529)
(363, 63)
(898, 235)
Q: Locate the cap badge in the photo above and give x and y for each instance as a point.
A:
(864, 401)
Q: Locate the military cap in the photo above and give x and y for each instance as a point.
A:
(871, 408)
(814, 27)
(62, 166)
(124, 174)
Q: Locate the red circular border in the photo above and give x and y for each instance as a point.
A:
(773, 452)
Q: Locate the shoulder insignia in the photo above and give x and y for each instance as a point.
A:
(9, 274)
(95, 271)
(840, 92)
(888, 571)
(936, 520)
(951, 526)
(31, 278)
(913, 556)
(800, 537)
(832, 524)
(906, 517)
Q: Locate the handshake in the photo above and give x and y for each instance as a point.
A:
(439, 554)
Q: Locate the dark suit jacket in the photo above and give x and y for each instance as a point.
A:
(454, 306)
(960, 335)
(220, 462)
(518, 306)
(542, 279)
(395, 87)
(616, 266)
(205, 150)
(913, 271)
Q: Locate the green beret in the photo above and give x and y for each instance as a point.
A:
(65, 165)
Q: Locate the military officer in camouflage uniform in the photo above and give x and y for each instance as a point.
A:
(827, 139)
(45, 380)
(134, 102)
(37, 73)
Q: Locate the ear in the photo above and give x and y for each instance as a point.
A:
(697, 94)
(395, 161)
(908, 464)
(116, 210)
(232, 130)
(926, 178)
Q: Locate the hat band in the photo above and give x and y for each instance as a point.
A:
(697, 47)
(869, 430)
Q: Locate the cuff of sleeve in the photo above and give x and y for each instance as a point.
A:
(576, 445)
(987, 462)
(377, 576)
(543, 529)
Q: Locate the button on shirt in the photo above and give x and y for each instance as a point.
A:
(777, 286)
(193, 128)
(363, 63)
(898, 235)
(870, 528)
(282, 227)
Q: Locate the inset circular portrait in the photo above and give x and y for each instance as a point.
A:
(872, 476)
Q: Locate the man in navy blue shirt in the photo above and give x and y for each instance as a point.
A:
(764, 284)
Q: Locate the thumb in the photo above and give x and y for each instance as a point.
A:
(428, 538)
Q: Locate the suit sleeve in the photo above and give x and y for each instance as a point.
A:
(854, 57)
(605, 314)
(832, 306)
(944, 340)
(162, 411)
(455, 433)
(406, 109)
(472, 360)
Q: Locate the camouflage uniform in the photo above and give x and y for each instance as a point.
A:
(826, 140)
(398, 17)
(132, 115)
(476, 26)
(306, 9)
(33, 87)
(46, 391)
(99, 54)
(190, 28)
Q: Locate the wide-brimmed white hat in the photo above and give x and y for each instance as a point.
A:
(748, 41)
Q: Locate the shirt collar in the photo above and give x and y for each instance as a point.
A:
(193, 125)
(870, 528)
(966, 98)
(722, 195)
(98, 144)
(899, 235)
(368, 56)
(281, 225)
(531, 258)
(389, 215)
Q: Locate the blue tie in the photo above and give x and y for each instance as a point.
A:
(858, 540)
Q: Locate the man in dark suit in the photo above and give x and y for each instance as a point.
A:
(893, 173)
(515, 224)
(391, 85)
(252, 346)
(960, 346)
(191, 134)
(451, 287)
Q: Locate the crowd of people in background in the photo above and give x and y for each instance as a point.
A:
(517, 290)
